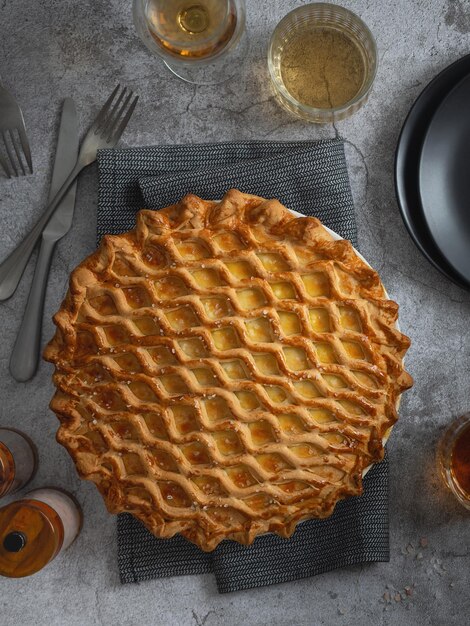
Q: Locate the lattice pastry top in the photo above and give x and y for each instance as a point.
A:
(225, 370)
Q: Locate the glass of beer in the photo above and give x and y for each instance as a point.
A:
(201, 41)
(454, 459)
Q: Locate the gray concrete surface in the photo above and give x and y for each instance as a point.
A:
(50, 49)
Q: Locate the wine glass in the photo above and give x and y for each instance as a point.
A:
(201, 41)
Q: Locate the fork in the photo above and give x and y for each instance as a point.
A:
(13, 131)
(105, 132)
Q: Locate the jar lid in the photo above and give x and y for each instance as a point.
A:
(31, 534)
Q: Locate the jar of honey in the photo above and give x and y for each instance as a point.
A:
(454, 459)
(18, 460)
(36, 529)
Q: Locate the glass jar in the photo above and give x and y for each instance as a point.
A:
(200, 41)
(454, 459)
(303, 24)
(18, 460)
(36, 529)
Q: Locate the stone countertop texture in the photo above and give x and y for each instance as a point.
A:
(50, 49)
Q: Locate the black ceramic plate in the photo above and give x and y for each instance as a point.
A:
(444, 179)
(408, 165)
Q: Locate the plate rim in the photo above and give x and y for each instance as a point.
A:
(412, 132)
(432, 123)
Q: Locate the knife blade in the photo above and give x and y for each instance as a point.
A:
(65, 158)
(25, 355)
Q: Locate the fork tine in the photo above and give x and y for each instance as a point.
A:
(10, 154)
(105, 108)
(110, 116)
(102, 130)
(14, 141)
(107, 132)
(125, 120)
(4, 164)
(25, 146)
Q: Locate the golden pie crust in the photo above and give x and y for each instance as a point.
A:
(225, 370)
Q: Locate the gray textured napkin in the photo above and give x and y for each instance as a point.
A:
(309, 177)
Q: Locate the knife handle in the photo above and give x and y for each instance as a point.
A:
(25, 355)
(12, 268)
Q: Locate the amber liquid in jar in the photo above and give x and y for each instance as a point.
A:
(7, 469)
(460, 460)
(34, 530)
(454, 459)
(18, 461)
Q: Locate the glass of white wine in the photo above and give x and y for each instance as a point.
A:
(201, 41)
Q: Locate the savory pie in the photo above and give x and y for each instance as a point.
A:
(226, 369)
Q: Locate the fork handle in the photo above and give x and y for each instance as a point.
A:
(25, 355)
(12, 268)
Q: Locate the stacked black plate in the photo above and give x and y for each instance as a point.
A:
(432, 172)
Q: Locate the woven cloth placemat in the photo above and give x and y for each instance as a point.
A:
(309, 177)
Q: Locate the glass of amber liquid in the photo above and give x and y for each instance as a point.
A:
(454, 459)
(18, 460)
(201, 41)
(322, 60)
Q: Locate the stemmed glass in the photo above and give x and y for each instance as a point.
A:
(201, 41)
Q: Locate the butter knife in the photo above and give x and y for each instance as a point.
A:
(25, 355)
